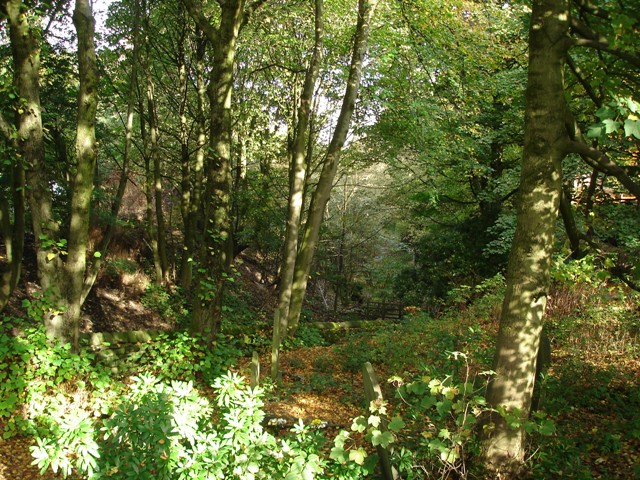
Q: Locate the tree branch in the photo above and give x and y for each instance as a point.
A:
(195, 11)
(249, 10)
(587, 37)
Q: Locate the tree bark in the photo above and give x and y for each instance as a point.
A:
(545, 146)
(12, 229)
(297, 179)
(192, 175)
(30, 140)
(216, 250)
(86, 154)
(321, 194)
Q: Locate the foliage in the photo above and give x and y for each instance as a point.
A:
(306, 336)
(34, 372)
(448, 438)
(170, 304)
(182, 356)
(165, 431)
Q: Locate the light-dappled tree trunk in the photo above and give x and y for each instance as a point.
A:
(86, 154)
(545, 146)
(216, 248)
(297, 179)
(92, 274)
(321, 194)
(30, 139)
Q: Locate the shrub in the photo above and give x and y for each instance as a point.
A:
(164, 431)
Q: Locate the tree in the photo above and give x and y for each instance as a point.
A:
(320, 196)
(549, 137)
(216, 250)
(297, 180)
(86, 154)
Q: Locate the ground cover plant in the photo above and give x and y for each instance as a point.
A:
(180, 406)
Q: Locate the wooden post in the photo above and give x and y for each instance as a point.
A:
(255, 370)
(373, 392)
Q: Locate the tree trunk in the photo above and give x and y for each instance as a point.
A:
(192, 177)
(320, 196)
(216, 247)
(12, 231)
(545, 146)
(570, 225)
(128, 140)
(30, 141)
(297, 179)
(154, 152)
(86, 153)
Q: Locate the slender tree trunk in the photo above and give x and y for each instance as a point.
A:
(570, 226)
(128, 140)
(297, 179)
(545, 146)
(86, 154)
(12, 231)
(321, 194)
(161, 234)
(192, 177)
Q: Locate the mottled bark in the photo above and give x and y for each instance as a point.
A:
(216, 249)
(321, 194)
(545, 146)
(30, 140)
(86, 154)
(297, 179)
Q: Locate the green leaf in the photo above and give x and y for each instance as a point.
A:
(611, 126)
(374, 420)
(396, 424)
(359, 424)
(596, 131)
(358, 455)
(384, 439)
(632, 127)
(338, 454)
(97, 254)
(547, 427)
(605, 113)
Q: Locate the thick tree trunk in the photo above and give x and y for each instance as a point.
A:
(86, 154)
(26, 60)
(297, 179)
(530, 259)
(320, 196)
(216, 251)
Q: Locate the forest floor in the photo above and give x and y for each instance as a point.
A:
(596, 389)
